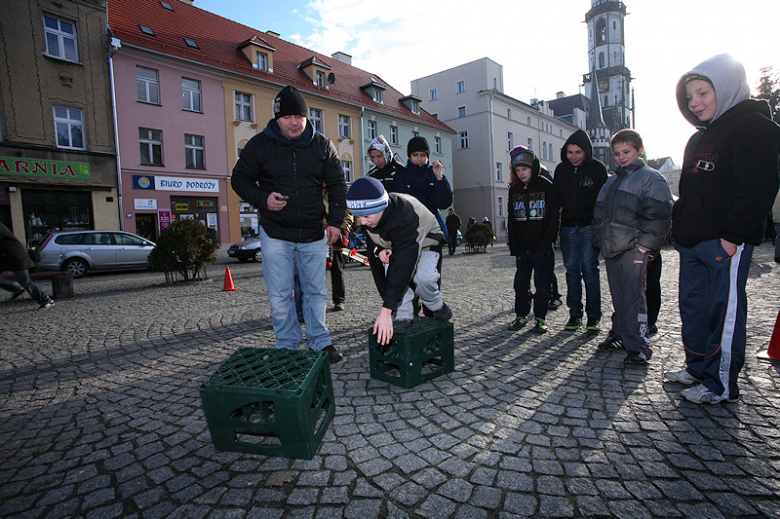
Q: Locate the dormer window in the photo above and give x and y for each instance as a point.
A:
(316, 70)
(320, 79)
(259, 53)
(375, 90)
(412, 102)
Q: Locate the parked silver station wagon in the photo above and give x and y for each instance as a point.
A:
(81, 251)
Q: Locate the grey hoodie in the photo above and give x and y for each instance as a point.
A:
(726, 75)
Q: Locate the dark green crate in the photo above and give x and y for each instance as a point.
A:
(413, 358)
(269, 401)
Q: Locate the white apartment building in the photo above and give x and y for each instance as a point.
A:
(470, 99)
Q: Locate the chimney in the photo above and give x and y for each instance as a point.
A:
(560, 95)
(342, 57)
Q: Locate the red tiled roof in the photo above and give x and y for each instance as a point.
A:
(220, 41)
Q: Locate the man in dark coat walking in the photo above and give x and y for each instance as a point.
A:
(13, 257)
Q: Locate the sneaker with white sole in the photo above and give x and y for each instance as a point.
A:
(701, 394)
(518, 322)
(681, 377)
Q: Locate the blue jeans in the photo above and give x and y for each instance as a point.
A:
(23, 281)
(581, 260)
(280, 259)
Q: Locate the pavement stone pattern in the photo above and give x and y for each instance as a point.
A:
(101, 415)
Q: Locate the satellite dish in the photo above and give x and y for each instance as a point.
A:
(331, 78)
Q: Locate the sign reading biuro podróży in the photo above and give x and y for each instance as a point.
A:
(158, 183)
(44, 168)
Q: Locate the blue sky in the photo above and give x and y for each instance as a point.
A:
(541, 45)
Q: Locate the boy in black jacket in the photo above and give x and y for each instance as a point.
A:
(533, 227)
(407, 241)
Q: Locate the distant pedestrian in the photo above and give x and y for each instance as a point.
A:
(728, 184)
(453, 226)
(13, 257)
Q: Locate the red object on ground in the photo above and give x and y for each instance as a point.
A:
(228, 281)
(773, 351)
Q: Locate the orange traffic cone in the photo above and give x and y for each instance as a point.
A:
(228, 281)
(773, 351)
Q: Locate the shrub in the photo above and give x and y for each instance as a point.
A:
(183, 250)
(479, 235)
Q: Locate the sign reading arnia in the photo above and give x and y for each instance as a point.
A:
(43, 168)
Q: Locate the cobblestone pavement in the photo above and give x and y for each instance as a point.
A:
(101, 415)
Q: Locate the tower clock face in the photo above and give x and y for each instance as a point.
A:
(603, 85)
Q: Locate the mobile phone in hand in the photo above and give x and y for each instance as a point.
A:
(282, 197)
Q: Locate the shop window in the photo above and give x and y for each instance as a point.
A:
(48, 210)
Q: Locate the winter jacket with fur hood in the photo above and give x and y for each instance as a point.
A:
(634, 209)
(730, 170)
(393, 164)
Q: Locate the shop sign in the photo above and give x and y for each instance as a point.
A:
(164, 217)
(212, 220)
(145, 204)
(44, 168)
(195, 185)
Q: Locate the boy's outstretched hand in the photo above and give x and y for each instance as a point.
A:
(438, 169)
(383, 327)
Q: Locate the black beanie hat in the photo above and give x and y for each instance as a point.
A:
(418, 144)
(290, 102)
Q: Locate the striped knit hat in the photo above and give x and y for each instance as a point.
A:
(366, 196)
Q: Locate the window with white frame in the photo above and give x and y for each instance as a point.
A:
(319, 79)
(510, 140)
(261, 61)
(347, 167)
(508, 113)
(394, 135)
(544, 150)
(372, 130)
(437, 144)
(550, 150)
(529, 120)
(60, 39)
(378, 98)
(69, 126)
(190, 95)
(150, 143)
(461, 111)
(463, 140)
(499, 172)
(344, 132)
(530, 143)
(194, 151)
(243, 107)
(148, 85)
(315, 116)
(434, 94)
(501, 206)
(460, 87)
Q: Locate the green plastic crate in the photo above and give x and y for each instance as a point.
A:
(413, 358)
(269, 401)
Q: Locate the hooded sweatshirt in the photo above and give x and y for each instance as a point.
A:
(393, 164)
(578, 186)
(533, 213)
(730, 170)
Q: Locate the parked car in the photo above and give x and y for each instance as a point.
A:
(246, 250)
(79, 252)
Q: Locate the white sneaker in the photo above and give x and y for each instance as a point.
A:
(700, 394)
(682, 377)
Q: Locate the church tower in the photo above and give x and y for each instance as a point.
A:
(599, 132)
(606, 49)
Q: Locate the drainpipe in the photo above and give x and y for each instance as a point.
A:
(362, 143)
(493, 217)
(116, 44)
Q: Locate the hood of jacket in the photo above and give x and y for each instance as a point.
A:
(581, 139)
(272, 130)
(727, 77)
(381, 145)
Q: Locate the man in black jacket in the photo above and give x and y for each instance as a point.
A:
(578, 180)
(13, 257)
(282, 172)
